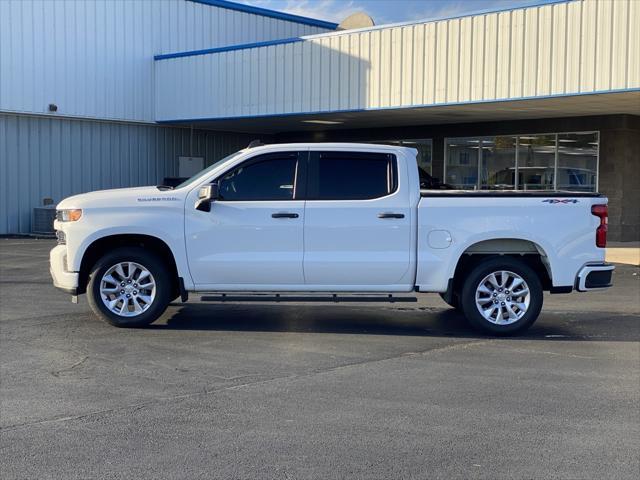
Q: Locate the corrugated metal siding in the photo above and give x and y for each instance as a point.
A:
(565, 48)
(94, 58)
(49, 157)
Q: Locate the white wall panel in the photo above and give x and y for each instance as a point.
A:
(633, 44)
(94, 58)
(56, 157)
(558, 49)
(558, 70)
(588, 45)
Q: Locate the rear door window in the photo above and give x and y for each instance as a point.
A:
(351, 175)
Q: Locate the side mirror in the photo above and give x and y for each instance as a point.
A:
(206, 195)
(209, 192)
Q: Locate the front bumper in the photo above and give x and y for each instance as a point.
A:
(62, 279)
(594, 277)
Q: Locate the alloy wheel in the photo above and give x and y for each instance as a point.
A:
(502, 297)
(127, 289)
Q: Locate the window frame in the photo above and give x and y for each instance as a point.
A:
(392, 170)
(299, 176)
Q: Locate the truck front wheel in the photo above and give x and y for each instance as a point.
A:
(502, 296)
(129, 287)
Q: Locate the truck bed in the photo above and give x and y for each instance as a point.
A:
(558, 225)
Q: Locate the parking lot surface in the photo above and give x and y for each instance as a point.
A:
(314, 391)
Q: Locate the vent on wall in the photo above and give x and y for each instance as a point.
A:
(43, 217)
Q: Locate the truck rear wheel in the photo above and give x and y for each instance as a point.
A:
(502, 296)
(129, 287)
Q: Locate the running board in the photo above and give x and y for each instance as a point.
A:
(328, 298)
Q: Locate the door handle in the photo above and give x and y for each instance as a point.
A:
(284, 215)
(390, 215)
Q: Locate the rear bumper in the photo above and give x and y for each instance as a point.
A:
(62, 279)
(594, 277)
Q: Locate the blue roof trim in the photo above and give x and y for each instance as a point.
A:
(268, 13)
(403, 107)
(230, 48)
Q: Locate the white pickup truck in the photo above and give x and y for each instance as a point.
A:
(347, 221)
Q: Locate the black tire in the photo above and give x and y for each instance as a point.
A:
(454, 303)
(153, 264)
(482, 270)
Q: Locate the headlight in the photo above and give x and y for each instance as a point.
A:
(69, 215)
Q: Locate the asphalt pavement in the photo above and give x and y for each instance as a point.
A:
(316, 391)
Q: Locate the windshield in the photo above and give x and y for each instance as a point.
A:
(208, 169)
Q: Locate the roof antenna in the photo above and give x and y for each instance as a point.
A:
(255, 143)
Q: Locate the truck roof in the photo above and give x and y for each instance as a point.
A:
(331, 145)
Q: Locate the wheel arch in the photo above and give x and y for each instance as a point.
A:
(107, 243)
(528, 251)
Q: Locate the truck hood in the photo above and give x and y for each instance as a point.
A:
(118, 197)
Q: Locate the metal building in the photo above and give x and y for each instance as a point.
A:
(544, 97)
(77, 95)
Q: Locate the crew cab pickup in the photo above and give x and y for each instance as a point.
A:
(347, 221)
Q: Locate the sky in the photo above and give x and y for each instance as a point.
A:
(388, 11)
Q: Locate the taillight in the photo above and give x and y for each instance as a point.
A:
(601, 212)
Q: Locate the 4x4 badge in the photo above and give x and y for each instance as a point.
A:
(553, 201)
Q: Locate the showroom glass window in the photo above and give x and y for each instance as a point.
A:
(563, 161)
(498, 163)
(536, 162)
(578, 161)
(462, 156)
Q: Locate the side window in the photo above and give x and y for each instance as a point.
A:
(267, 177)
(351, 175)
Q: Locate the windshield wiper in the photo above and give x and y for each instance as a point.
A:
(164, 187)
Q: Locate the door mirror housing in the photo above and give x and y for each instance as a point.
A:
(206, 195)
(209, 192)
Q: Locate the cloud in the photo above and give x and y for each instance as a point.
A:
(331, 10)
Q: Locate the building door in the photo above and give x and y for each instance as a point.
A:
(357, 221)
(253, 234)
